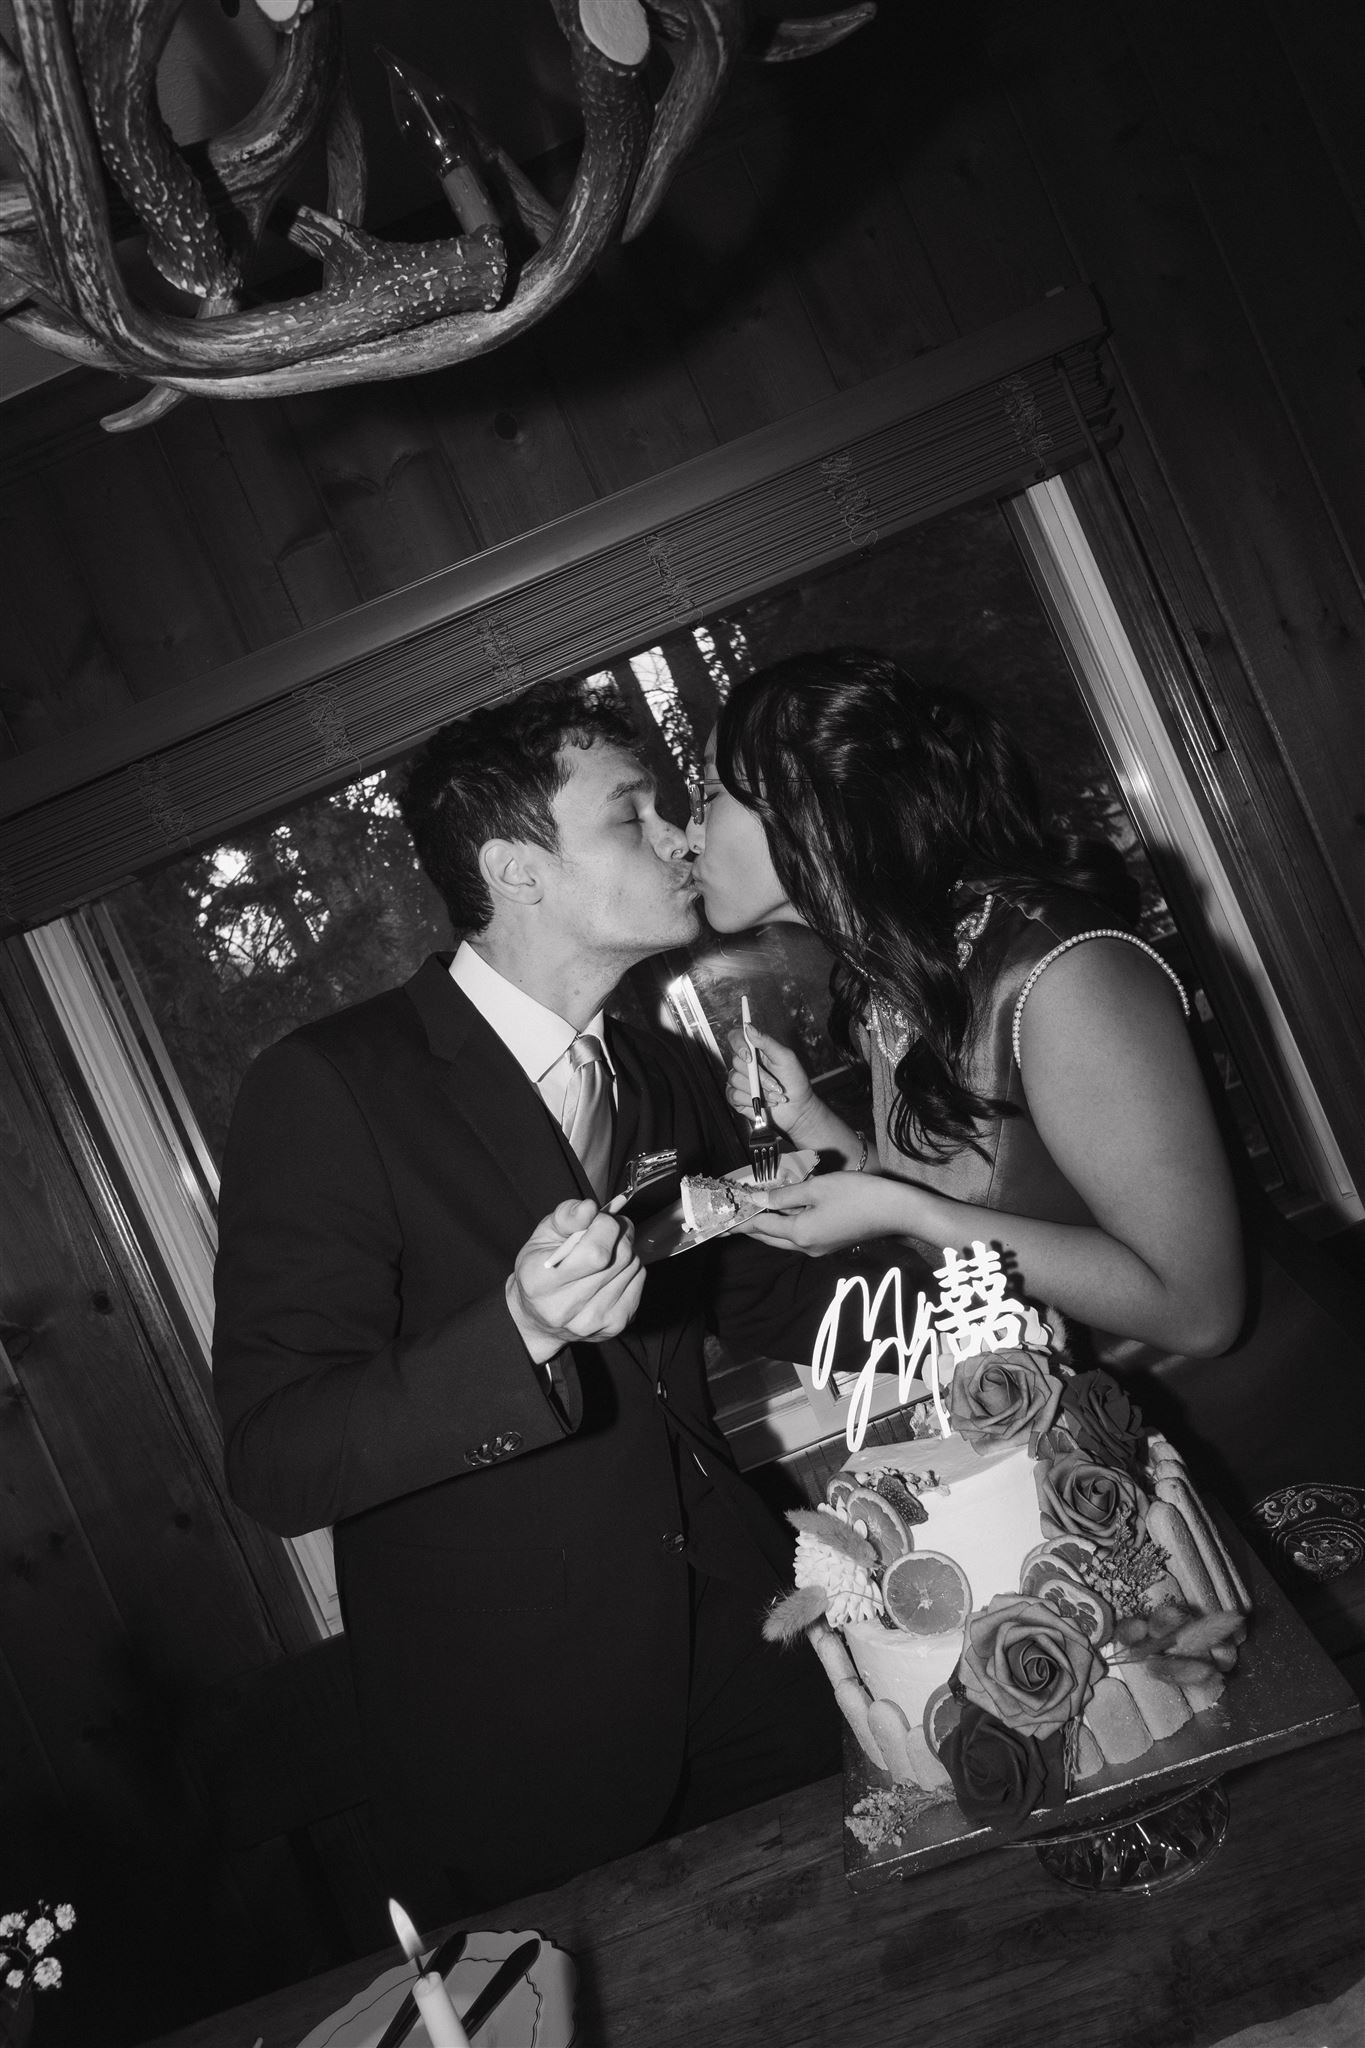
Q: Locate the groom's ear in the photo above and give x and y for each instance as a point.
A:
(513, 870)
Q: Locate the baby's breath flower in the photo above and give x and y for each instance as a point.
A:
(48, 1975)
(15, 1980)
(40, 1935)
(12, 1923)
(65, 1917)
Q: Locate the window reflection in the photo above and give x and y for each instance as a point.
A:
(298, 916)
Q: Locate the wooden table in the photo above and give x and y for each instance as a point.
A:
(744, 1934)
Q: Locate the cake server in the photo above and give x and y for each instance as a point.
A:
(405, 2019)
(508, 1973)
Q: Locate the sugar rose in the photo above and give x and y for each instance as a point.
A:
(1000, 1774)
(1077, 1497)
(1027, 1665)
(1102, 1421)
(999, 1395)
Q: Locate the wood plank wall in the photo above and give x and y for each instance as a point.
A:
(1201, 167)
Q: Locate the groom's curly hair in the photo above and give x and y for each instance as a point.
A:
(891, 808)
(494, 774)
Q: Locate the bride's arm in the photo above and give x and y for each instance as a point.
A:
(793, 1104)
(1116, 1094)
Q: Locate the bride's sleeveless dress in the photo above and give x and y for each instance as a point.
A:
(1287, 1404)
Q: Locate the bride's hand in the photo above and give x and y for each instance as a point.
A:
(830, 1212)
(786, 1089)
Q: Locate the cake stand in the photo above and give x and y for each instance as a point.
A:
(1135, 1828)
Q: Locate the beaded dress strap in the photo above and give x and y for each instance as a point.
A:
(1079, 940)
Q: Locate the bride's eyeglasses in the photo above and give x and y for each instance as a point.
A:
(696, 800)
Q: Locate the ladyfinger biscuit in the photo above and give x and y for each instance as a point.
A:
(889, 1731)
(1113, 1719)
(1168, 1527)
(1233, 1597)
(1089, 1757)
(1163, 1707)
(853, 1705)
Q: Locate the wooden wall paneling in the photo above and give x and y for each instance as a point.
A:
(296, 535)
(720, 279)
(57, 419)
(1230, 454)
(111, 1514)
(979, 207)
(121, 1838)
(1283, 225)
(624, 390)
(1324, 46)
(199, 453)
(129, 1422)
(1253, 809)
(384, 486)
(345, 1849)
(29, 1791)
(853, 251)
(506, 442)
(58, 670)
(162, 605)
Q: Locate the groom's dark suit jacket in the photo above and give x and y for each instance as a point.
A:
(513, 1562)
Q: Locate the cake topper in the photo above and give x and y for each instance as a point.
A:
(973, 1314)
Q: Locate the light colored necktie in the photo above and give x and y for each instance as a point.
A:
(587, 1115)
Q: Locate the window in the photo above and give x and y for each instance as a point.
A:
(171, 985)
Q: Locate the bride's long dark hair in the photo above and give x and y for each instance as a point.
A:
(892, 808)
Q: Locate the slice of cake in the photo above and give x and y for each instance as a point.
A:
(712, 1204)
(1009, 1608)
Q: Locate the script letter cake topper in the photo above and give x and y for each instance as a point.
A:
(972, 1314)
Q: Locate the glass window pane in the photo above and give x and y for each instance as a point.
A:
(324, 906)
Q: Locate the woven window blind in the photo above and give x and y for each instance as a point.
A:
(980, 418)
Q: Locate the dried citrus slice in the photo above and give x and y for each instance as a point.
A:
(876, 1519)
(1074, 1554)
(899, 1496)
(1067, 1556)
(840, 1491)
(942, 1712)
(1038, 1570)
(927, 1594)
(1078, 1604)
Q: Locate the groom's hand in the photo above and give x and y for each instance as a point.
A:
(592, 1293)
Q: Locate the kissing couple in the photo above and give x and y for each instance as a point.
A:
(434, 1333)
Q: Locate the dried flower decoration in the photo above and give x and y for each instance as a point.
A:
(25, 1939)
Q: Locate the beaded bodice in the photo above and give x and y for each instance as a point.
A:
(1009, 1168)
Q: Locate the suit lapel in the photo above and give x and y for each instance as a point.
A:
(489, 1092)
(635, 1113)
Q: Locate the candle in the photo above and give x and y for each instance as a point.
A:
(436, 128)
(433, 2000)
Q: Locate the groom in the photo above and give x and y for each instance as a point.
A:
(551, 1571)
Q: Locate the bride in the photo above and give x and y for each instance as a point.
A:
(1033, 1084)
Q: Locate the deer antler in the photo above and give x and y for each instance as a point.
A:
(81, 110)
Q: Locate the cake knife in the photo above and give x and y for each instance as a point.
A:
(405, 2019)
(508, 1974)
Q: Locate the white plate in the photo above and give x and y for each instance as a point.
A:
(536, 2013)
(666, 1234)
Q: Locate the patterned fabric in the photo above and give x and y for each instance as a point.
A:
(1008, 1167)
(588, 1110)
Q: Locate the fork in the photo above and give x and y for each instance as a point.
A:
(642, 1171)
(765, 1139)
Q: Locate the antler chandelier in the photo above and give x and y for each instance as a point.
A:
(101, 174)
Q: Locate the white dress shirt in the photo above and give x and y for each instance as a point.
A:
(536, 1038)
